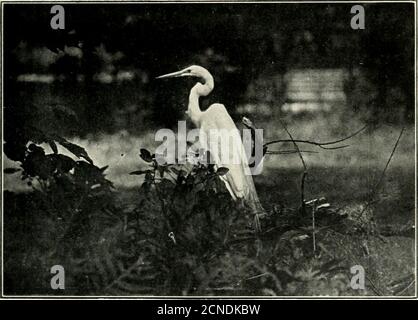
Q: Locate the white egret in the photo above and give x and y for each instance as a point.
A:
(238, 180)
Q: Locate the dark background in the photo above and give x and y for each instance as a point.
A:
(238, 43)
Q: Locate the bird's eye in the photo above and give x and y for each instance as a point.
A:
(189, 70)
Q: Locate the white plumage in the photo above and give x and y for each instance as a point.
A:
(216, 118)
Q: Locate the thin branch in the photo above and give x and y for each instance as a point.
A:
(313, 228)
(305, 168)
(322, 145)
(296, 146)
(289, 151)
(377, 185)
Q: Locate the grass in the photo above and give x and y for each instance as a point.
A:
(366, 151)
(345, 177)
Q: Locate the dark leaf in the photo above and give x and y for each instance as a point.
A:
(63, 163)
(75, 150)
(139, 172)
(211, 168)
(36, 149)
(11, 170)
(38, 164)
(222, 171)
(265, 148)
(88, 174)
(145, 155)
(53, 146)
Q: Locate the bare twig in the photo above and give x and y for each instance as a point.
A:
(305, 168)
(376, 188)
(289, 151)
(322, 145)
(377, 185)
(313, 228)
(256, 276)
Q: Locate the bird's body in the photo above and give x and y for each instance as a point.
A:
(217, 118)
(238, 180)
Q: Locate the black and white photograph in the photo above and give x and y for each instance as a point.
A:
(236, 149)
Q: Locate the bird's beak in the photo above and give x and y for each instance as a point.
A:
(176, 74)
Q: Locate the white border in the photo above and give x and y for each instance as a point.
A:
(255, 298)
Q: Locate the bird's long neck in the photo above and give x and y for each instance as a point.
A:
(198, 91)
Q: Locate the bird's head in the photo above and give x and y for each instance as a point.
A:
(206, 79)
(192, 71)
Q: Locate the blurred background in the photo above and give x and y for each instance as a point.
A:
(94, 82)
(274, 58)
